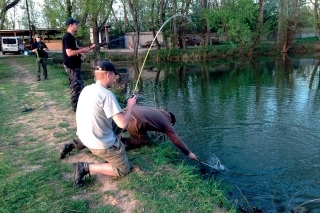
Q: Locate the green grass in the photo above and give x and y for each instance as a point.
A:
(6, 71)
(33, 179)
(169, 184)
(307, 40)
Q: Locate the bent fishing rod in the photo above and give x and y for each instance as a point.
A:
(145, 58)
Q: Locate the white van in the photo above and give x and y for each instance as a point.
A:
(12, 45)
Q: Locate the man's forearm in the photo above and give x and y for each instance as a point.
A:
(183, 147)
(176, 140)
(127, 115)
(75, 52)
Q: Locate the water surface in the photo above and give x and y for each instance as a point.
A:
(260, 118)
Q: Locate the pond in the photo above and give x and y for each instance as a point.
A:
(261, 119)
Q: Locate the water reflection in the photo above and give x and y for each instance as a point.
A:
(259, 117)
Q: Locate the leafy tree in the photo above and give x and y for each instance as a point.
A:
(258, 30)
(271, 15)
(96, 17)
(306, 17)
(135, 7)
(86, 11)
(291, 14)
(5, 5)
(55, 13)
(229, 21)
(316, 12)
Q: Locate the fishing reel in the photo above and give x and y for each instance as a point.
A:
(137, 96)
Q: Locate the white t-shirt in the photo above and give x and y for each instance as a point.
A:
(96, 106)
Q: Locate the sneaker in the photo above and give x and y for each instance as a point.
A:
(80, 169)
(65, 149)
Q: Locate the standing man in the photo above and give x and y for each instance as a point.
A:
(98, 112)
(40, 49)
(72, 55)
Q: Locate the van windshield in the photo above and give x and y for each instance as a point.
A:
(9, 41)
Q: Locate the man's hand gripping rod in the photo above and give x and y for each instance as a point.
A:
(137, 97)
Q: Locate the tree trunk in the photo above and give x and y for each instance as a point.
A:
(285, 35)
(3, 11)
(175, 39)
(259, 29)
(69, 8)
(98, 23)
(185, 22)
(134, 12)
(317, 18)
(280, 23)
(153, 23)
(291, 27)
(162, 8)
(117, 21)
(204, 34)
(95, 32)
(125, 15)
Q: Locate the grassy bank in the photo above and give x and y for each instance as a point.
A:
(36, 118)
(198, 54)
(227, 50)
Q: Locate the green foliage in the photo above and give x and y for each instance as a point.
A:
(194, 54)
(306, 17)
(271, 15)
(307, 40)
(55, 13)
(238, 26)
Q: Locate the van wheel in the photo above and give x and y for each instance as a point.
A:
(3, 53)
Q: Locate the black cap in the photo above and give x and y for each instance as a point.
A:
(107, 66)
(71, 21)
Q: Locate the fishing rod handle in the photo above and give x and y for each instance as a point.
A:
(137, 97)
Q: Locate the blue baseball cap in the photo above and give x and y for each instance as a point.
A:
(71, 21)
(108, 66)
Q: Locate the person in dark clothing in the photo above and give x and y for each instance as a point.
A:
(143, 119)
(40, 49)
(72, 56)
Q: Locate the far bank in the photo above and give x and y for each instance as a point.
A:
(224, 50)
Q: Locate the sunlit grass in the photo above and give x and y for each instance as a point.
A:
(35, 180)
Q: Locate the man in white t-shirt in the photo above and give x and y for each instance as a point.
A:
(97, 112)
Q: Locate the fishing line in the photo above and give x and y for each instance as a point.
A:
(145, 58)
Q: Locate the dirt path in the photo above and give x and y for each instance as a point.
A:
(47, 112)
